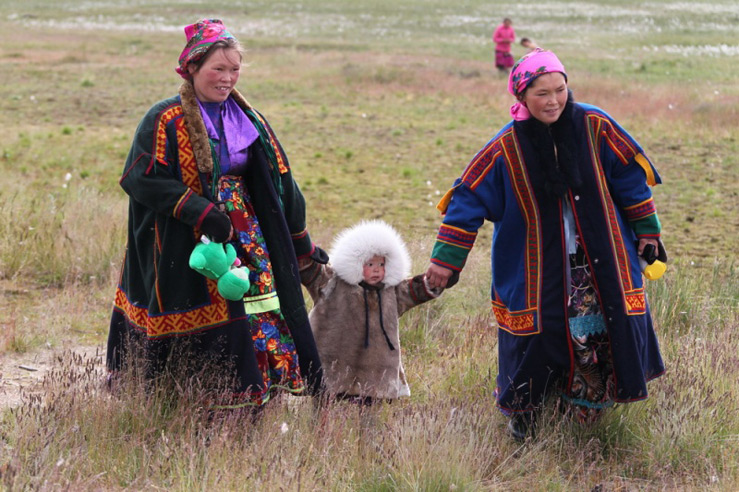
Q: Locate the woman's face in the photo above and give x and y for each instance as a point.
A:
(217, 76)
(546, 97)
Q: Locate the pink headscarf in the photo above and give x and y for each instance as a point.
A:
(200, 37)
(525, 71)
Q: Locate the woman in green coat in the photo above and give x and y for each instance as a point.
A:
(205, 162)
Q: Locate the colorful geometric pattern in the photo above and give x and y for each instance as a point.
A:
(636, 302)
(180, 323)
(186, 157)
(456, 236)
(527, 204)
(516, 322)
(596, 133)
(452, 247)
(641, 210)
(481, 164)
(160, 134)
(200, 318)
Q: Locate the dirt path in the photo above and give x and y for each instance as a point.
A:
(22, 374)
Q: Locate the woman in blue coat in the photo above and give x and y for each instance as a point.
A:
(568, 190)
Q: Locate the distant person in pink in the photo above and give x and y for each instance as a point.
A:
(503, 37)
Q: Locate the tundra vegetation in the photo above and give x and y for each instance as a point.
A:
(379, 105)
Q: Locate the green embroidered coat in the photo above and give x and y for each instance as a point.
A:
(159, 297)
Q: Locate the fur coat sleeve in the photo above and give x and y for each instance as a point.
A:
(413, 292)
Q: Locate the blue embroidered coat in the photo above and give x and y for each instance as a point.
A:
(529, 284)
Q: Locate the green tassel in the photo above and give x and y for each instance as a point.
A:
(216, 170)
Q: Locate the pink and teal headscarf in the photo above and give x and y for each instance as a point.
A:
(200, 37)
(525, 71)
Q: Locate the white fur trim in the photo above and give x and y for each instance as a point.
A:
(354, 246)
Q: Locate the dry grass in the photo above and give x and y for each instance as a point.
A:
(377, 124)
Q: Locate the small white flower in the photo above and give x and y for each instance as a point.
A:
(284, 428)
(437, 192)
(428, 183)
(67, 176)
(670, 106)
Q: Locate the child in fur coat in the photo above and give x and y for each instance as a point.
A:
(358, 299)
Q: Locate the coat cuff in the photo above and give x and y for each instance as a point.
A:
(647, 227)
(448, 256)
(302, 244)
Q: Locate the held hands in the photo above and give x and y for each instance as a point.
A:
(438, 276)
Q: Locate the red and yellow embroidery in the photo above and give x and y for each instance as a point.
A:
(530, 212)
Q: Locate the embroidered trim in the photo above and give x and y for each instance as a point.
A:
(262, 303)
(527, 205)
(455, 268)
(188, 166)
(634, 306)
(181, 203)
(619, 143)
(641, 210)
(636, 302)
(455, 236)
(482, 163)
(178, 323)
(516, 322)
(160, 134)
(299, 235)
(592, 324)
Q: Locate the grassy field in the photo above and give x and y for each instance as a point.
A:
(379, 106)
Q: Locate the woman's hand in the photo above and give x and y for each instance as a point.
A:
(644, 241)
(217, 225)
(437, 276)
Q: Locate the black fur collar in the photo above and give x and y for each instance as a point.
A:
(556, 150)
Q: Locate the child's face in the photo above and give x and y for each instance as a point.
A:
(374, 270)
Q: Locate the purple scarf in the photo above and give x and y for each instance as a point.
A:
(238, 130)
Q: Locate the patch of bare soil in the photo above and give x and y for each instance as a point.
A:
(21, 375)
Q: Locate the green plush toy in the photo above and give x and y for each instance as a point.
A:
(234, 283)
(218, 261)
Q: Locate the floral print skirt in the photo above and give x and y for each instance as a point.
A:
(592, 387)
(273, 343)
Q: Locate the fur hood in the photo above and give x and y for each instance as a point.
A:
(357, 244)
